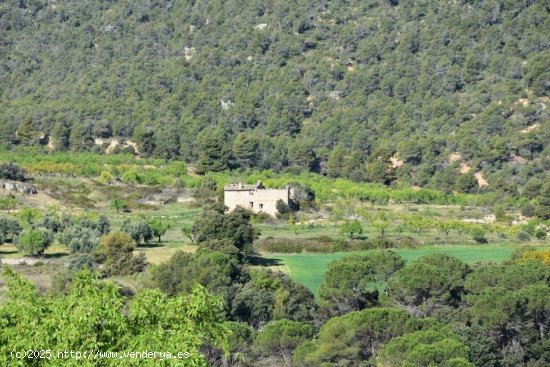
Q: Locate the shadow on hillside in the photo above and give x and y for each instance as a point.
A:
(56, 255)
(150, 245)
(258, 260)
(8, 252)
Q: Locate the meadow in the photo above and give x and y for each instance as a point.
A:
(308, 269)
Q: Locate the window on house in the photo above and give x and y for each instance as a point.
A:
(261, 206)
(251, 204)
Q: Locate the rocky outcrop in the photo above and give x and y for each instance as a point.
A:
(167, 196)
(18, 187)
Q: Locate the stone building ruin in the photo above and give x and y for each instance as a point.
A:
(255, 198)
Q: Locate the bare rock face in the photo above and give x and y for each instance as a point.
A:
(18, 187)
(166, 196)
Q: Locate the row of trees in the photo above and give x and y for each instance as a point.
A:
(91, 241)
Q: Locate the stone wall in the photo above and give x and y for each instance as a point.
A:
(18, 187)
(257, 200)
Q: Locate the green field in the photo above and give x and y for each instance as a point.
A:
(308, 269)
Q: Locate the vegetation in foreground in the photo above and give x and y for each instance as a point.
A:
(384, 290)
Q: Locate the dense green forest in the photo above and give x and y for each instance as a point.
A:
(382, 91)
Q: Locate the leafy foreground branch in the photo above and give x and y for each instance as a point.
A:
(95, 315)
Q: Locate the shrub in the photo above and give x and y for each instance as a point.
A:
(478, 235)
(8, 203)
(116, 254)
(379, 242)
(9, 228)
(523, 236)
(288, 245)
(260, 218)
(340, 244)
(407, 242)
(140, 231)
(282, 208)
(80, 238)
(119, 205)
(540, 234)
(206, 190)
(33, 241)
(10, 171)
(528, 211)
(105, 178)
(81, 262)
(500, 213)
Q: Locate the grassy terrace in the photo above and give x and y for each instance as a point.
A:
(308, 269)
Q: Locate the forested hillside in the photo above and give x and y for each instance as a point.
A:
(424, 93)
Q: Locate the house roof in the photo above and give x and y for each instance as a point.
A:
(240, 187)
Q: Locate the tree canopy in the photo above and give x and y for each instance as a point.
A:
(380, 91)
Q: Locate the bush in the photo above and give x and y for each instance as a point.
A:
(34, 241)
(10, 171)
(140, 231)
(116, 254)
(340, 244)
(81, 262)
(528, 211)
(377, 243)
(80, 238)
(119, 205)
(9, 229)
(105, 178)
(540, 234)
(260, 218)
(478, 235)
(206, 190)
(288, 245)
(523, 236)
(282, 208)
(407, 242)
(8, 203)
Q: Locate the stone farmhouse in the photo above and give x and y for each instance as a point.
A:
(255, 198)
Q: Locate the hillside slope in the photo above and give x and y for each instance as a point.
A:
(385, 91)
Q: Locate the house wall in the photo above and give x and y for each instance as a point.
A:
(263, 200)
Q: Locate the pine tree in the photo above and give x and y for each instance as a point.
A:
(27, 132)
(81, 138)
(145, 137)
(245, 148)
(214, 152)
(61, 136)
(7, 134)
(336, 161)
(167, 142)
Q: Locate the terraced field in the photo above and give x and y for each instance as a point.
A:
(308, 269)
